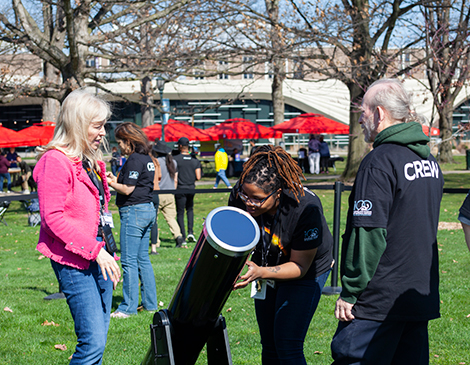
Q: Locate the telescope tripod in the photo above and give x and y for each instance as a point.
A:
(180, 344)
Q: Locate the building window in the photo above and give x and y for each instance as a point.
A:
(268, 71)
(222, 69)
(198, 75)
(298, 69)
(247, 66)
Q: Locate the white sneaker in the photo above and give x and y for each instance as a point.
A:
(8, 192)
(25, 192)
(190, 238)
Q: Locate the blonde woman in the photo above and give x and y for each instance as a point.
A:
(72, 201)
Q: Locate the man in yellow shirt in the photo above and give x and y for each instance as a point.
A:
(221, 163)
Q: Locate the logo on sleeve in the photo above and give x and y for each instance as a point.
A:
(150, 166)
(133, 175)
(311, 234)
(362, 208)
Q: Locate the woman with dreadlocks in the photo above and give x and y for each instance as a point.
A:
(292, 260)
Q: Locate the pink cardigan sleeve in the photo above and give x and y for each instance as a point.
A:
(68, 209)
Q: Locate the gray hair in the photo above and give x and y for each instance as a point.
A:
(392, 96)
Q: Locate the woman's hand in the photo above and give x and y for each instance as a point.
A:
(110, 178)
(253, 273)
(109, 267)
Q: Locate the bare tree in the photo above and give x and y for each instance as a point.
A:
(448, 48)
(356, 42)
(71, 33)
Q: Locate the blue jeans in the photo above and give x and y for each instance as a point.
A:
(89, 297)
(136, 223)
(5, 176)
(284, 317)
(221, 175)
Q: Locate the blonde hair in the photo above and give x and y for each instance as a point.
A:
(78, 111)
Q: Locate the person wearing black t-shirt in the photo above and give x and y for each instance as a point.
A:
(189, 170)
(293, 259)
(134, 188)
(389, 263)
(464, 218)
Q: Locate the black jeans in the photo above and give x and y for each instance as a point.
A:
(185, 201)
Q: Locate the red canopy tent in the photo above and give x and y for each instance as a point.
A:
(239, 128)
(11, 138)
(42, 131)
(174, 130)
(434, 131)
(311, 123)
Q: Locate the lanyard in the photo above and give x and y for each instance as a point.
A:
(267, 238)
(95, 179)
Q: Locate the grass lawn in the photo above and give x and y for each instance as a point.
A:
(27, 277)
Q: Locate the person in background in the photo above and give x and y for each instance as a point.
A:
(235, 155)
(134, 188)
(25, 174)
(293, 258)
(11, 156)
(167, 201)
(464, 218)
(189, 170)
(4, 174)
(389, 258)
(324, 156)
(221, 164)
(156, 202)
(314, 154)
(252, 146)
(72, 208)
(115, 161)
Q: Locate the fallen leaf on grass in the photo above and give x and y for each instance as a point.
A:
(229, 310)
(6, 309)
(436, 355)
(61, 347)
(51, 323)
(160, 304)
(318, 352)
(41, 257)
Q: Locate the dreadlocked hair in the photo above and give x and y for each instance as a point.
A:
(272, 168)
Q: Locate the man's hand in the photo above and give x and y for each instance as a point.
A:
(343, 310)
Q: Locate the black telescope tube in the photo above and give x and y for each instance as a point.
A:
(228, 237)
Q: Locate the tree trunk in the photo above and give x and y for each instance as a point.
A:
(357, 146)
(445, 126)
(147, 98)
(50, 106)
(278, 99)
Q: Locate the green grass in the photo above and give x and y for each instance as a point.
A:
(26, 278)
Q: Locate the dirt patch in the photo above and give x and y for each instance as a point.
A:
(449, 226)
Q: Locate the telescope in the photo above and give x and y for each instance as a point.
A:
(193, 319)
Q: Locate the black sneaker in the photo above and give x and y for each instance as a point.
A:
(180, 241)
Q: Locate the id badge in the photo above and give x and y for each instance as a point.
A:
(108, 219)
(258, 289)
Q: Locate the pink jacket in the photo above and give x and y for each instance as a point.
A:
(69, 207)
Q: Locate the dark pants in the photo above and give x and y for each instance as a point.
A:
(185, 201)
(154, 230)
(366, 342)
(324, 163)
(284, 317)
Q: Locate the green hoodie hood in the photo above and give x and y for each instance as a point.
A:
(406, 134)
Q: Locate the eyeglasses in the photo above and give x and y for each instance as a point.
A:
(255, 202)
